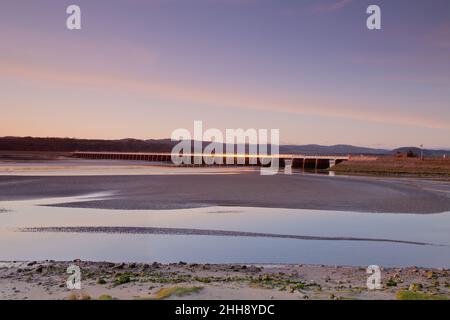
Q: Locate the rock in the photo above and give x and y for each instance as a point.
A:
(32, 263)
(253, 269)
(415, 287)
(119, 266)
(265, 277)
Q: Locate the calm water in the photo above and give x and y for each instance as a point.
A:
(80, 167)
(83, 167)
(432, 228)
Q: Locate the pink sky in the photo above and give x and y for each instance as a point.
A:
(318, 75)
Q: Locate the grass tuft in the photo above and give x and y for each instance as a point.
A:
(391, 283)
(82, 296)
(167, 292)
(411, 295)
(122, 279)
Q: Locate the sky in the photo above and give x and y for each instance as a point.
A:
(310, 68)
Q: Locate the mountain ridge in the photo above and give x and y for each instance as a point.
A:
(11, 143)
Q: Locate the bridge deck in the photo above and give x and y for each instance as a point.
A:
(294, 160)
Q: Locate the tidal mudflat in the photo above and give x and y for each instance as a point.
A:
(175, 188)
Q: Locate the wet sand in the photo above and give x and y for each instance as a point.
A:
(299, 191)
(102, 280)
(205, 232)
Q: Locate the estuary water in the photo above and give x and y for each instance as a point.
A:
(32, 230)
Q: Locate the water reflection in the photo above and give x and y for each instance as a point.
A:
(82, 167)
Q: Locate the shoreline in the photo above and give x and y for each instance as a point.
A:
(385, 175)
(156, 281)
(432, 168)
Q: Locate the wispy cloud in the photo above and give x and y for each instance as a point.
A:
(330, 6)
(439, 36)
(217, 98)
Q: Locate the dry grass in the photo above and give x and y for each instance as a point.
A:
(411, 295)
(164, 293)
(81, 296)
(397, 166)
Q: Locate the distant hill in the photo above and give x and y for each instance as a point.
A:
(166, 145)
(335, 149)
(69, 144)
